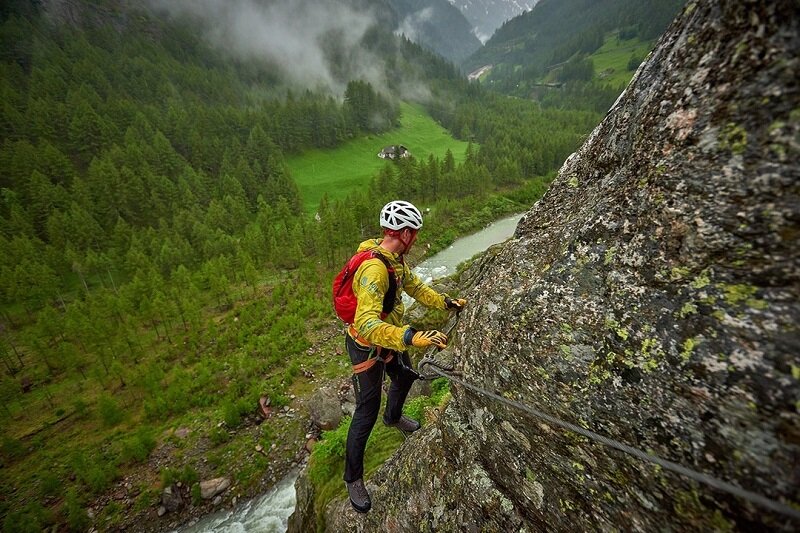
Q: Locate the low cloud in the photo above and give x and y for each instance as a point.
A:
(412, 26)
(297, 37)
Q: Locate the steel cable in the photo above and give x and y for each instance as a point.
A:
(773, 505)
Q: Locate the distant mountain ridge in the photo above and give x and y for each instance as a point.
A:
(488, 15)
(556, 30)
(437, 25)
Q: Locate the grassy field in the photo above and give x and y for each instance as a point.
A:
(614, 55)
(350, 166)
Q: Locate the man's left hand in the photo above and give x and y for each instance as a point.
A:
(458, 304)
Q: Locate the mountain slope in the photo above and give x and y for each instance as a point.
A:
(488, 15)
(437, 25)
(554, 30)
(653, 296)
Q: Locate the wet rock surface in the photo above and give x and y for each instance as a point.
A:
(652, 296)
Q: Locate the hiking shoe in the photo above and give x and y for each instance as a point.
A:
(359, 496)
(405, 424)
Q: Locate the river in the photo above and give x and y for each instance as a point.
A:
(270, 513)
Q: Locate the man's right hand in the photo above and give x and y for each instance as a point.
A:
(423, 339)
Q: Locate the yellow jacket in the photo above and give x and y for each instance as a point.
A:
(370, 283)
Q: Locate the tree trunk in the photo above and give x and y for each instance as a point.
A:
(183, 318)
(49, 398)
(19, 357)
(61, 299)
(8, 318)
(83, 280)
(114, 285)
(11, 371)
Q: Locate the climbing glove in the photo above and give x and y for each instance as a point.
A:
(423, 339)
(457, 304)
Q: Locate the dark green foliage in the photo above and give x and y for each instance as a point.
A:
(49, 485)
(10, 448)
(187, 475)
(634, 62)
(197, 495)
(137, 448)
(367, 109)
(555, 30)
(93, 472)
(77, 519)
(218, 436)
(328, 453)
(109, 410)
(32, 518)
(230, 415)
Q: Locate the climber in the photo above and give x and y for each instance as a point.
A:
(377, 341)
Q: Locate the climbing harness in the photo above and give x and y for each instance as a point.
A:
(446, 371)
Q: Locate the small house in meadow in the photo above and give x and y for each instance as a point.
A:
(395, 151)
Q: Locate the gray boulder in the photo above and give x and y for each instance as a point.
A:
(171, 498)
(212, 487)
(325, 409)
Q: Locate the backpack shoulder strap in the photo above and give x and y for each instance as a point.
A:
(391, 294)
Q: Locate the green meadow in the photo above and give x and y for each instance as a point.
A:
(614, 55)
(342, 170)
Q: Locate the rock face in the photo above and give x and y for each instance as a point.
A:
(653, 296)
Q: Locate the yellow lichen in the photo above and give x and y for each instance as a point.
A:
(688, 347)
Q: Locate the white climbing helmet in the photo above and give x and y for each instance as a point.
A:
(400, 215)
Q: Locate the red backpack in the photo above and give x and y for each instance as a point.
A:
(344, 299)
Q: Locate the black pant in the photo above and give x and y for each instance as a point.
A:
(367, 386)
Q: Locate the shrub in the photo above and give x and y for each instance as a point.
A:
(80, 408)
(110, 412)
(32, 518)
(49, 485)
(137, 448)
(197, 496)
(218, 436)
(77, 519)
(415, 408)
(96, 475)
(168, 476)
(147, 499)
(188, 475)
(10, 448)
(230, 414)
(328, 452)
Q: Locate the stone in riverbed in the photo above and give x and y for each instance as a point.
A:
(171, 498)
(212, 487)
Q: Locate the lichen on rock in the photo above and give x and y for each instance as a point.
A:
(652, 295)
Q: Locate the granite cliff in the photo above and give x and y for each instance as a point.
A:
(652, 295)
